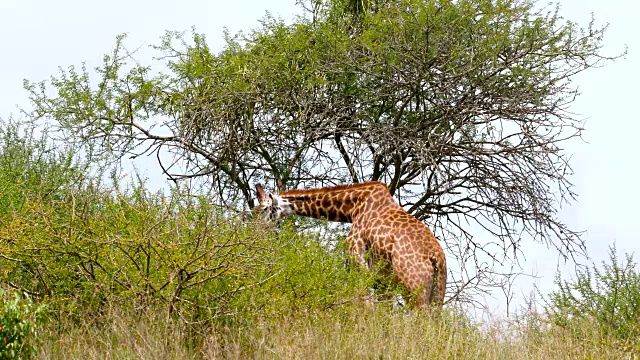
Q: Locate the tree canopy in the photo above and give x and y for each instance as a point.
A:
(461, 107)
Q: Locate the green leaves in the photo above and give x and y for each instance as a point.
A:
(609, 295)
(30, 167)
(20, 319)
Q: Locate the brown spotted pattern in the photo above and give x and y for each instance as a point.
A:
(380, 225)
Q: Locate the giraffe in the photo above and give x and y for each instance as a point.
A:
(379, 224)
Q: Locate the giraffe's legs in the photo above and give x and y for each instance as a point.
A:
(417, 278)
(356, 248)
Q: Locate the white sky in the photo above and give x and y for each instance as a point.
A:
(39, 36)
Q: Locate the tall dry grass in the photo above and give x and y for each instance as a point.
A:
(353, 333)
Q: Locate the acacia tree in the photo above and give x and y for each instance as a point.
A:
(460, 107)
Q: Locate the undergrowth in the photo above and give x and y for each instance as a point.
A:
(352, 332)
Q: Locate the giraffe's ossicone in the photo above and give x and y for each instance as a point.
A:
(380, 225)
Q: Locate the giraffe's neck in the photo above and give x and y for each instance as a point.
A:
(338, 203)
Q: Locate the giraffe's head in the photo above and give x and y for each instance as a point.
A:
(272, 206)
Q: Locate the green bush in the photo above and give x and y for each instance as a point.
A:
(308, 277)
(132, 248)
(609, 296)
(19, 321)
(88, 248)
(32, 166)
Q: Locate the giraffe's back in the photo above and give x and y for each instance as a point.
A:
(395, 230)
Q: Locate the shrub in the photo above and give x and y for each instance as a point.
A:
(19, 321)
(87, 248)
(609, 296)
(32, 166)
(137, 249)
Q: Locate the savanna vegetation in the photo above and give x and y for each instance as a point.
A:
(461, 107)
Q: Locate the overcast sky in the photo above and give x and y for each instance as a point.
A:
(36, 37)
